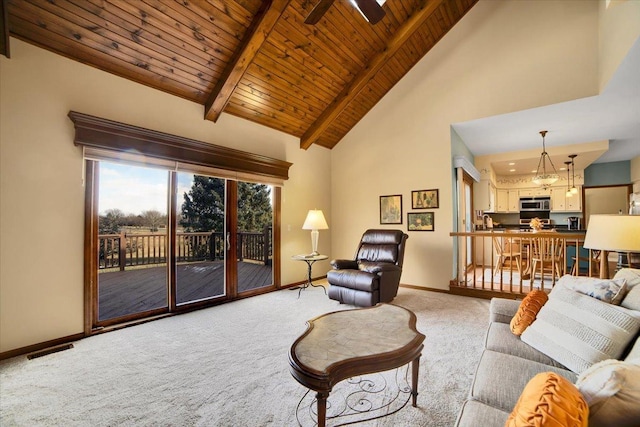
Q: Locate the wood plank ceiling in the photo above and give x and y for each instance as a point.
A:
(253, 59)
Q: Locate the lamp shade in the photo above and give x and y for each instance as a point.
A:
(315, 221)
(619, 233)
(545, 179)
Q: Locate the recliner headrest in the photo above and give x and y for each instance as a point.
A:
(378, 253)
(382, 237)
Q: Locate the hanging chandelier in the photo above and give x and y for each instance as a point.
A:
(542, 177)
(574, 190)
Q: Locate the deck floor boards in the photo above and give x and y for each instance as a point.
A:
(121, 293)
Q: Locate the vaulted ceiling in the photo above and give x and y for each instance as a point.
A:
(254, 59)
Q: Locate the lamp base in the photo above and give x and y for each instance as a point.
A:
(314, 242)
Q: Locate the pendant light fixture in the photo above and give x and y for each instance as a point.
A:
(574, 190)
(568, 193)
(542, 177)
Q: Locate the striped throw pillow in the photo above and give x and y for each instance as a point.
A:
(578, 331)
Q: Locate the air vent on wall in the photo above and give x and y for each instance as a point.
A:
(48, 351)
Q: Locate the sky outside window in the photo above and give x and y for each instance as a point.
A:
(134, 189)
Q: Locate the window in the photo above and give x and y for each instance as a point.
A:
(165, 233)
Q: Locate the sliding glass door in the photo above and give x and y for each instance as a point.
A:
(200, 238)
(132, 241)
(215, 242)
(469, 225)
(254, 254)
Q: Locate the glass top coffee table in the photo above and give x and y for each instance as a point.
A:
(343, 344)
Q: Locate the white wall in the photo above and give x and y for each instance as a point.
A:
(41, 192)
(503, 56)
(619, 29)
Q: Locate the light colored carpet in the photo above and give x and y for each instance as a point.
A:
(228, 366)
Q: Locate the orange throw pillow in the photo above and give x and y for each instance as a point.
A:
(528, 310)
(549, 400)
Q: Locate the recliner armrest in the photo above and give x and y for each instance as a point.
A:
(377, 267)
(344, 264)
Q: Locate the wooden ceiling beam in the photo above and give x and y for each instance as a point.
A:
(361, 79)
(4, 30)
(255, 36)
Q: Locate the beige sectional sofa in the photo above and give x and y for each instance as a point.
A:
(508, 362)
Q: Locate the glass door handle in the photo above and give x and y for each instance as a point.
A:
(228, 240)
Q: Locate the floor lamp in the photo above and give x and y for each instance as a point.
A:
(315, 221)
(617, 233)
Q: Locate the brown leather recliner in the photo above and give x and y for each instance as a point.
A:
(374, 275)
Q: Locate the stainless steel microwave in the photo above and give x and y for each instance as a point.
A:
(529, 204)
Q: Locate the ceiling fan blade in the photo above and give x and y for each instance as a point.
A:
(318, 11)
(371, 10)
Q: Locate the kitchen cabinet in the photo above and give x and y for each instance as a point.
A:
(514, 201)
(558, 199)
(534, 192)
(502, 200)
(561, 203)
(484, 196)
(507, 200)
(574, 203)
(526, 192)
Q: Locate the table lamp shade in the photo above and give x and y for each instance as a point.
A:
(620, 233)
(315, 221)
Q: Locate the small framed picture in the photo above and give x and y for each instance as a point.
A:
(425, 199)
(420, 221)
(391, 209)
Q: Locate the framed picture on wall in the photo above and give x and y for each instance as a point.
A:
(425, 199)
(391, 209)
(420, 221)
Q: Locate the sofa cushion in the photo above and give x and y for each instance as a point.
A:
(499, 338)
(527, 311)
(578, 331)
(611, 291)
(632, 277)
(500, 378)
(502, 310)
(612, 390)
(474, 414)
(549, 400)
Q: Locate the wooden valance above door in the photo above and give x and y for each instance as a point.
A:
(98, 133)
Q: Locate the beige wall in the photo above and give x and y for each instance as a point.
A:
(41, 192)
(619, 24)
(503, 56)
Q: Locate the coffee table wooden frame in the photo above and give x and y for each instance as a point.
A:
(323, 382)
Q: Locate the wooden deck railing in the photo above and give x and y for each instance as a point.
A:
(127, 250)
(521, 267)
